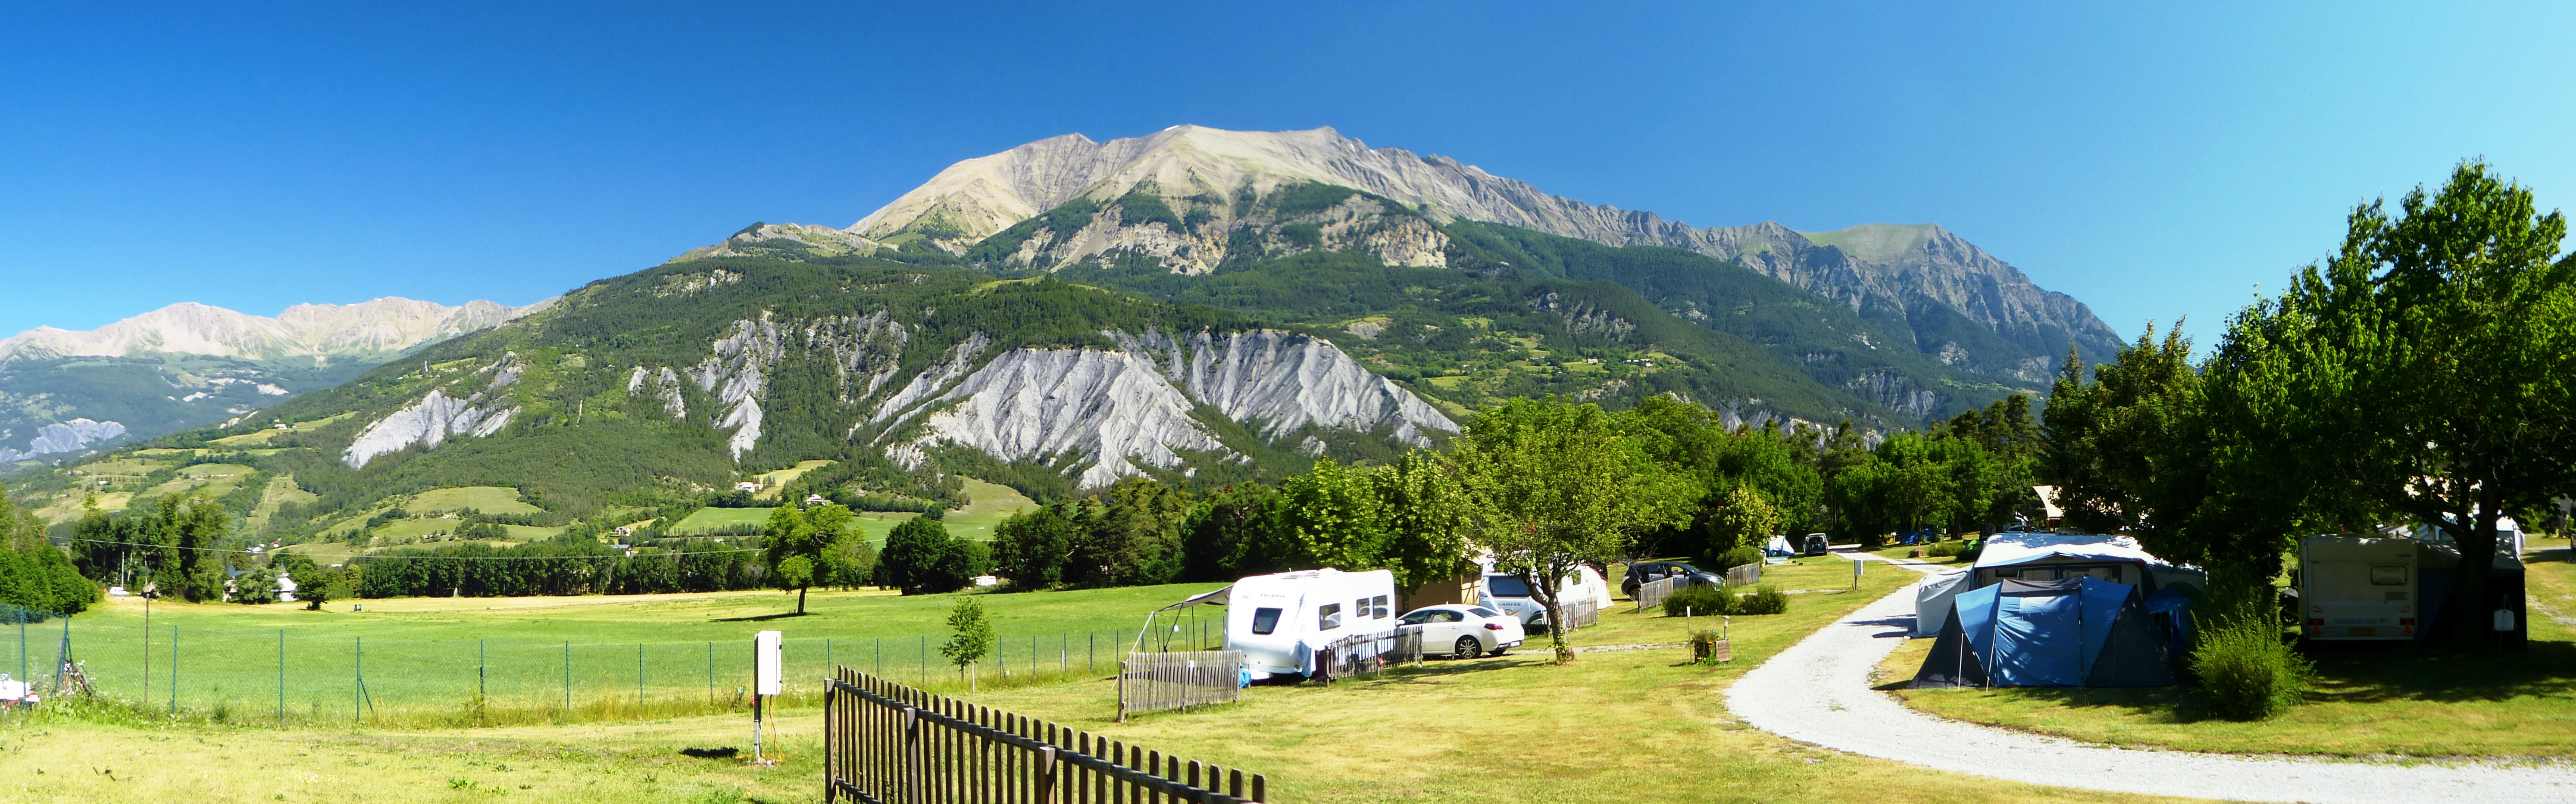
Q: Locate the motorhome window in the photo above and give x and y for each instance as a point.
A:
(1378, 608)
(1329, 617)
(2386, 575)
(1507, 586)
(1265, 620)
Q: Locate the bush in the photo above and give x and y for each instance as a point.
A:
(1699, 599)
(1945, 549)
(2245, 671)
(1738, 556)
(1765, 599)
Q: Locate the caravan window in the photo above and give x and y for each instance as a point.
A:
(2388, 575)
(1380, 610)
(1265, 620)
(1507, 586)
(1329, 617)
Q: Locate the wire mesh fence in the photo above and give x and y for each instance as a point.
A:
(306, 675)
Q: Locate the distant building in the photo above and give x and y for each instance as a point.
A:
(747, 485)
(815, 499)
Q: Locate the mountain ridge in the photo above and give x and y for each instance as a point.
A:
(1923, 275)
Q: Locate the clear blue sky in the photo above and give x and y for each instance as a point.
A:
(2152, 162)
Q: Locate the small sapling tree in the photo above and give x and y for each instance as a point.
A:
(972, 641)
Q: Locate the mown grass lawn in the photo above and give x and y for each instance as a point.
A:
(2370, 701)
(1616, 726)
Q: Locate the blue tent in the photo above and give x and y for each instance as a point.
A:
(2075, 632)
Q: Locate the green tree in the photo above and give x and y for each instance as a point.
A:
(1743, 517)
(795, 546)
(1031, 547)
(2107, 439)
(1556, 486)
(970, 640)
(1426, 520)
(920, 557)
(257, 586)
(1129, 534)
(2454, 324)
(1332, 514)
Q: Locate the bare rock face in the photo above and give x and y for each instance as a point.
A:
(737, 375)
(428, 423)
(1126, 408)
(369, 329)
(61, 437)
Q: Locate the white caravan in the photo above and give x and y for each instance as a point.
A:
(1507, 592)
(1281, 621)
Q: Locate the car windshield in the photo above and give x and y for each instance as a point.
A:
(1417, 618)
(1265, 620)
(1507, 586)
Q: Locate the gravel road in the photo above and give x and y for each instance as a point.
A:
(1818, 692)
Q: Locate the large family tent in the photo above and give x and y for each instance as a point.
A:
(2077, 632)
(1932, 601)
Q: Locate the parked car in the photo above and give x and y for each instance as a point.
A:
(1816, 545)
(1461, 631)
(1645, 572)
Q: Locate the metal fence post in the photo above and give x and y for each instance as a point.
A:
(482, 666)
(639, 673)
(711, 672)
(358, 683)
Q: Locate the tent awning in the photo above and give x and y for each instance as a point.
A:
(1216, 598)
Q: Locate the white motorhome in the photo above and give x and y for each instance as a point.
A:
(2363, 589)
(1281, 621)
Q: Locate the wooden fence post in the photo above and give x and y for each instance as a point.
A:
(912, 756)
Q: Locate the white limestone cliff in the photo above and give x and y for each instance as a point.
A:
(367, 329)
(62, 437)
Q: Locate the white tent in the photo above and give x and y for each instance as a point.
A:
(1932, 601)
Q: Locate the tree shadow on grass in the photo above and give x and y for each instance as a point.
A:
(760, 618)
(2354, 673)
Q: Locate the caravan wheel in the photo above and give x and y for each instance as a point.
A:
(1468, 648)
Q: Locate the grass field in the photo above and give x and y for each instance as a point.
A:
(420, 656)
(1621, 726)
(988, 504)
(2370, 701)
(487, 499)
(774, 482)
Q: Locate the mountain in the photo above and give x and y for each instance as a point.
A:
(189, 365)
(1936, 293)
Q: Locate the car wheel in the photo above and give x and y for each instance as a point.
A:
(1468, 648)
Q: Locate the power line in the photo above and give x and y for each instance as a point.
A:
(401, 555)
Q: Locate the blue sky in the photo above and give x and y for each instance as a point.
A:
(2153, 162)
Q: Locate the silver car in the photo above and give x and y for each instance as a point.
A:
(1465, 632)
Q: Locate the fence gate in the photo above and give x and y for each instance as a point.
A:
(885, 743)
(1178, 680)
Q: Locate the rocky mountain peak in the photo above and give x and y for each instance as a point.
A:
(376, 327)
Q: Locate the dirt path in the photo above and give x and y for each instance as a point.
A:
(1818, 691)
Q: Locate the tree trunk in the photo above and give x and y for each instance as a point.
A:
(1544, 589)
(2474, 615)
(800, 601)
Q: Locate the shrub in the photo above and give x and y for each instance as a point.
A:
(2245, 671)
(1698, 599)
(1766, 599)
(1945, 549)
(1738, 556)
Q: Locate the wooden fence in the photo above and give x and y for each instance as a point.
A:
(1744, 574)
(1652, 593)
(885, 743)
(1579, 613)
(1149, 682)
